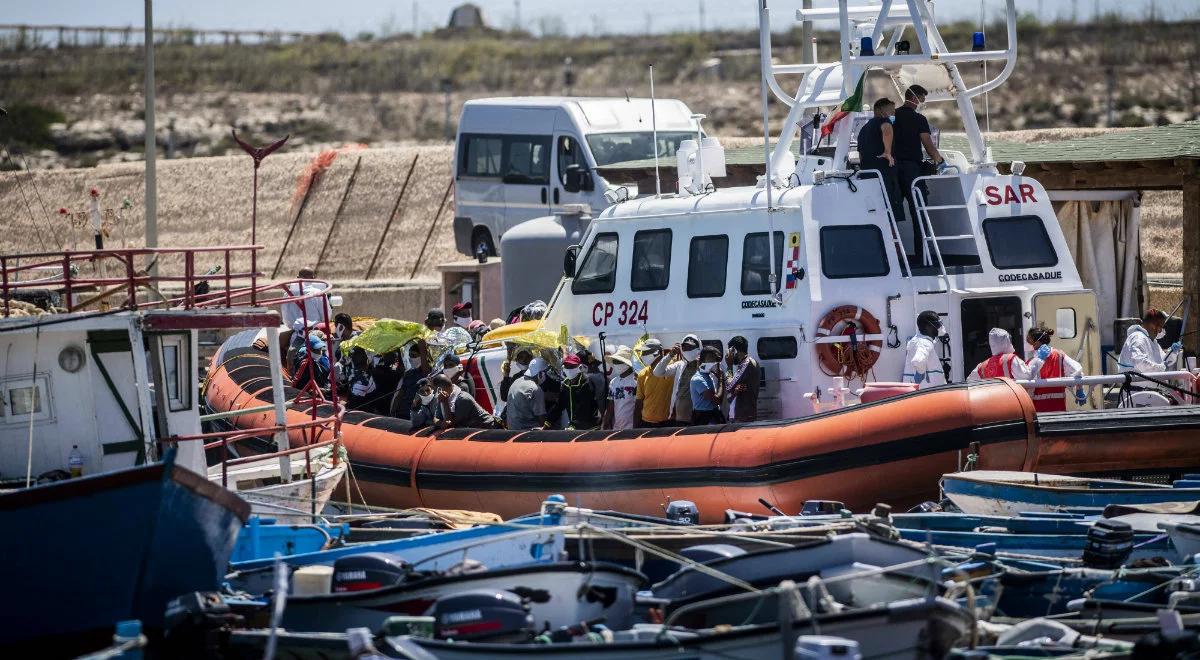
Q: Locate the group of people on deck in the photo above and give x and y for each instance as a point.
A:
(1140, 352)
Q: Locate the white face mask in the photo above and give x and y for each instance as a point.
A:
(570, 373)
(691, 355)
(414, 361)
(462, 321)
(1161, 334)
(941, 331)
(451, 372)
(426, 398)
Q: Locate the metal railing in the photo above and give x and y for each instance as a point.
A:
(27, 271)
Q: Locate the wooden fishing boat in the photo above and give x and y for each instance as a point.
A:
(81, 555)
(1006, 493)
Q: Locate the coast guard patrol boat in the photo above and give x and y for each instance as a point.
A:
(842, 292)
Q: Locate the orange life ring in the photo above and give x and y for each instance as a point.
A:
(849, 359)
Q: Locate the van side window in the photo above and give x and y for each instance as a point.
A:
(1019, 242)
(853, 251)
(651, 260)
(707, 261)
(527, 159)
(570, 153)
(480, 155)
(598, 274)
(755, 255)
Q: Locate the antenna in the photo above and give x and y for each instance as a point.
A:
(654, 131)
(768, 181)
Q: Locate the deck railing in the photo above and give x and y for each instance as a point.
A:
(134, 273)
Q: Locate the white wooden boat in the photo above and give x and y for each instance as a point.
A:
(292, 502)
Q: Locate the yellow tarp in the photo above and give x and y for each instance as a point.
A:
(387, 335)
(508, 332)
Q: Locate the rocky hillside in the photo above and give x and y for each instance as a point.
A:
(82, 106)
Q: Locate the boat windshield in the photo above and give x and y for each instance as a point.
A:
(609, 148)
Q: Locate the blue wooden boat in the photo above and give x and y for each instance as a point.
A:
(1002, 493)
(263, 538)
(82, 554)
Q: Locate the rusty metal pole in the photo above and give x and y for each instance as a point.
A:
(258, 154)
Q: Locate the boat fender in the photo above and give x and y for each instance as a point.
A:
(854, 358)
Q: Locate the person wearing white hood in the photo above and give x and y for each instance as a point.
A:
(681, 362)
(921, 362)
(1004, 362)
(1141, 351)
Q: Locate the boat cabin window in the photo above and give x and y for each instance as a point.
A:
(651, 260)
(755, 255)
(853, 251)
(175, 371)
(598, 274)
(1019, 242)
(481, 155)
(708, 258)
(23, 397)
(777, 348)
(1064, 320)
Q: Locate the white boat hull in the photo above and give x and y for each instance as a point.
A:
(290, 503)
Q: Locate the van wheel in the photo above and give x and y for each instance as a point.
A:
(481, 240)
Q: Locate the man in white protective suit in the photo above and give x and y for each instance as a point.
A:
(921, 362)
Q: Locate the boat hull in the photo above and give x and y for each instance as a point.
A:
(86, 553)
(893, 450)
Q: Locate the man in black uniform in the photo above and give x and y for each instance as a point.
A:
(911, 135)
(875, 152)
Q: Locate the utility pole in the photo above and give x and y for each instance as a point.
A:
(151, 198)
(516, 15)
(806, 37)
(414, 19)
(701, 15)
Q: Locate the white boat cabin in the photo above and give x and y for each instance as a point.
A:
(700, 262)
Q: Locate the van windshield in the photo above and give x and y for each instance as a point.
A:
(609, 148)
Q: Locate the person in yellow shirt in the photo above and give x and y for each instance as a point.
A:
(653, 406)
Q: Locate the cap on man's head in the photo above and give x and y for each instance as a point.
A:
(451, 360)
(650, 346)
(435, 317)
(536, 366)
(572, 361)
(690, 341)
(461, 309)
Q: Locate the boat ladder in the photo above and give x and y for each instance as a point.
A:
(927, 232)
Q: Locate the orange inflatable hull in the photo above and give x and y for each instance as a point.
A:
(893, 451)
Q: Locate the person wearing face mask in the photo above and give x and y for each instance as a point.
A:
(1049, 362)
(653, 407)
(360, 385)
(456, 409)
(681, 364)
(1141, 351)
(707, 389)
(622, 391)
(423, 406)
(313, 363)
(514, 368)
(418, 370)
(454, 368)
(875, 152)
(921, 362)
(343, 329)
(526, 407)
(576, 405)
(1004, 362)
(911, 136)
(744, 376)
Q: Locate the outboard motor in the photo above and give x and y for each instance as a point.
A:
(197, 625)
(370, 570)
(482, 615)
(683, 511)
(1109, 544)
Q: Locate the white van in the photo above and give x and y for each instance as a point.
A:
(521, 158)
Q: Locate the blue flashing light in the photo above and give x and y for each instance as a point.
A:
(866, 47)
(978, 42)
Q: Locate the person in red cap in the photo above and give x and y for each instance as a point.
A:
(576, 405)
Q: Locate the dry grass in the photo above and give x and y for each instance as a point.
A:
(1162, 231)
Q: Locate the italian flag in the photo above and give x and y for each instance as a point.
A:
(851, 104)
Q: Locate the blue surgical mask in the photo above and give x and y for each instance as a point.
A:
(891, 119)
